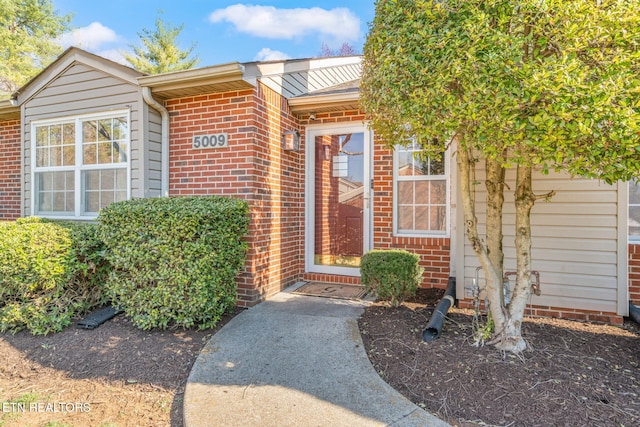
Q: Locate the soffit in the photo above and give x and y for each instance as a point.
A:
(8, 111)
(219, 78)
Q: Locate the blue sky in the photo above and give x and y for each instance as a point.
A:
(224, 31)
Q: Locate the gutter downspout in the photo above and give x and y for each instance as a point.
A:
(164, 114)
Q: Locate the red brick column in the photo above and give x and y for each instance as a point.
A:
(9, 170)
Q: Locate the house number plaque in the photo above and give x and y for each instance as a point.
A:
(214, 140)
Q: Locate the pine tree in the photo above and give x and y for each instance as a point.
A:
(160, 52)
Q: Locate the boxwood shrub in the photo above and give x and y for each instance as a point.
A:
(392, 274)
(50, 272)
(174, 259)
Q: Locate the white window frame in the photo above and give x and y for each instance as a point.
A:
(78, 167)
(396, 179)
(632, 239)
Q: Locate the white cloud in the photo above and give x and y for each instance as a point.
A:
(267, 54)
(115, 55)
(91, 38)
(269, 22)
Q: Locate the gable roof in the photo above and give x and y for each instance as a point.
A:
(67, 59)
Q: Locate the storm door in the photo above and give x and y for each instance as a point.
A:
(338, 203)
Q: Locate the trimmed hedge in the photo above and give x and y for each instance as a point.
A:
(174, 259)
(392, 274)
(50, 272)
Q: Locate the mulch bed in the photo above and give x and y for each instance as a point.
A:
(127, 375)
(574, 374)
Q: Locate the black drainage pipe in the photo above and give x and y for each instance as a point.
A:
(434, 327)
(634, 312)
(98, 318)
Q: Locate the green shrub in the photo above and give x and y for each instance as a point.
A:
(174, 259)
(49, 273)
(392, 274)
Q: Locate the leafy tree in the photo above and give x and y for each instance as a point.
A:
(28, 29)
(546, 84)
(345, 50)
(160, 52)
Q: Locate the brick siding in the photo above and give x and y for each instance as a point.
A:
(9, 170)
(254, 167)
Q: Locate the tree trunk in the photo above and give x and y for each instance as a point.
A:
(492, 274)
(511, 338)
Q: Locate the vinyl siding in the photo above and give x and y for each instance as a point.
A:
(153, 163)
(78, 90)
(574, 241)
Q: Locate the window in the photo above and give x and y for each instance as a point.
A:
(80, 164)
(421, 188)
(634, 210)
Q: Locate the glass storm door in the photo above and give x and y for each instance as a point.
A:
(338, 206)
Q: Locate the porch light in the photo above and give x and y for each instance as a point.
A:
(291, 140)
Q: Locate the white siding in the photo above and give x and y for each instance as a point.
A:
(81, 89)
(575, 241)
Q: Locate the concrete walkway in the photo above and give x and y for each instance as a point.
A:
(293, 361)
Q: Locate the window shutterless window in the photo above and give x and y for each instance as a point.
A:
(634, 211)
(80, 164)
(421, 189)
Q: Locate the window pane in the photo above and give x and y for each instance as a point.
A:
(438, 218)
(405, 192)
(92, 180)
(104, 153)
(89, 131)
(121, 196)
(405, 163)
(438, 194)
(69, 155)
(634, 193)
(69, 134)
(55, 135)
(634, 210)
(121, 179)
(120, 128)
(422, 192)
(105, 132)
(120, 152)
(405, 218)
(422, 218)
(634, 221)
(103, 187)
(55, 193)
(55, 154)
(106, 198)
(42, 157)
(42, 136)
(437, 166)
(92, 201)
(107, 180)
(89, 154)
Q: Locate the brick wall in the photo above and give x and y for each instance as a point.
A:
(9, 169)
(254, 167)
(634, 273)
